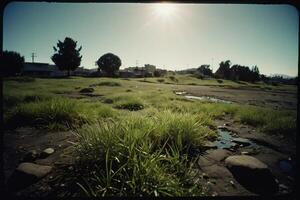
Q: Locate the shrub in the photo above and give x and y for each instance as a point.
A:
(173, 78)
(132, 106)
(106, 83)
(160, 80)
(219, 81)
(87, 90)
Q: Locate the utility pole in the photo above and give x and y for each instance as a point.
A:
(137, 63)
(32, 57)
(212, 64)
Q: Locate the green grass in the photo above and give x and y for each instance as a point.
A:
(55, 114)
(141, 155)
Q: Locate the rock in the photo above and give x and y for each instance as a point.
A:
(30, 156)
(233, 145)
(242, 141)
(47, 152)
(25, 175)
(245, 161)
(253, 174)
(218, 154)
(232, 183)
(283, 187)
(245, 153)
(217, 171)
(38, 171)
(87, 90)
(210, 145)
(214, 194)
(205, 176)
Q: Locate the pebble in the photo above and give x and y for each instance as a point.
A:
(232, 183)
(47, 152)
(284, 187)
(204, 175)
(214, 194)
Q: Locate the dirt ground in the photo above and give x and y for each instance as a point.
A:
(276, 98)
(273, 148)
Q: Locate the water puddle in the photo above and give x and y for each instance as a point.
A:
(207, 98)
(201, 98)
(226, 140)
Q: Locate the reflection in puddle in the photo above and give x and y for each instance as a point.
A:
(226, 140)
(206, 98)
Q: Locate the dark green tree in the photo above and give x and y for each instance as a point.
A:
(11, 63)
(205, 70)
(67, 57)
(109, 63)
(224, 70)
(255, 74)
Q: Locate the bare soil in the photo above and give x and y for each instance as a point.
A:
(218, 180)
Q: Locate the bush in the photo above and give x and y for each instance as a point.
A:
(219, 81)
(132, 106)
(87, 90)
(173, 78)
(160, 80)
(106, 83)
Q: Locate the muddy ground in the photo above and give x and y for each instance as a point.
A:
(216, 178)
(275, 98)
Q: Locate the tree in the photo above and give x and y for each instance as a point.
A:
(11, 63)
(205, 70)
(109, 63)
(255, 73)
(224, 70)
(67, 57)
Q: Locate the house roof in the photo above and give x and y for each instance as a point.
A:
(39, 67)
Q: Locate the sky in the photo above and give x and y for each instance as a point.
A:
(170, 36)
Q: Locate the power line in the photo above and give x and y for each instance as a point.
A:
(32, 56)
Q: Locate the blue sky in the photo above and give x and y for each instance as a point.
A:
(174, 37)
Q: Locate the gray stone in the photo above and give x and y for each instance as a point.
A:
(217, 171)
(47, 152)
(218, 154)
(210, 145)
(253, 174)
(242, 141)
(245, 161)
(212, 157)
(30, 156)
(38, 171)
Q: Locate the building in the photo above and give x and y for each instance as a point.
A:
(80, 71)
(42, 70)
(126, 74)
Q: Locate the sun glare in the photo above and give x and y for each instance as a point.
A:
(165, 9)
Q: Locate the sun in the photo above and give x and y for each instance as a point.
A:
(164, 9)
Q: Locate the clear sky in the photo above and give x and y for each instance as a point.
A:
(174, 37)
